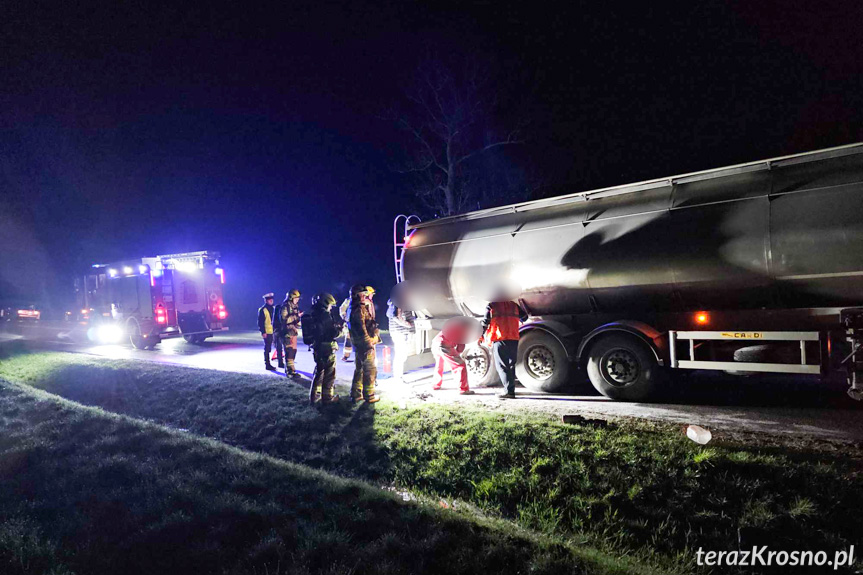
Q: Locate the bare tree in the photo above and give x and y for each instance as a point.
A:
(452, 142)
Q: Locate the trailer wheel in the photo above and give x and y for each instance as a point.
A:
(622, 367)
(480, 366)
(135, 337)
(542, 364)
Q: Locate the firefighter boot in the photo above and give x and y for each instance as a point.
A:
(370, 372)
(290, 355)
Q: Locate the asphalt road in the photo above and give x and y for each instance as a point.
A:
(780, 406)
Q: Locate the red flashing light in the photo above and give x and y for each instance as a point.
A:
(161, 314)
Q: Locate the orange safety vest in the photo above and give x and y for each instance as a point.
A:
(504, 322)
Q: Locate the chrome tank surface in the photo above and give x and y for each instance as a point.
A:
(788, 234)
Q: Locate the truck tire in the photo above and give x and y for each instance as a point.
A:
(135, 338)
(190, 338)
(622, 367)
(480, 366)
(542, 364)
(152, 342)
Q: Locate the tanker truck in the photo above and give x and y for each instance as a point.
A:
(756, 267)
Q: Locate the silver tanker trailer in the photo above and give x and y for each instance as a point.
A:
(749, 268)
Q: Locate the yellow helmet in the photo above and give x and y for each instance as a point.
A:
(325, 300)
(370, 290)
(293, 293)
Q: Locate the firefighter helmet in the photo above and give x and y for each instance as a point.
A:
(293, 293)
(370, 290)
(324, 300)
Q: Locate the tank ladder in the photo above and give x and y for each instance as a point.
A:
(852, 322)
(400, 236)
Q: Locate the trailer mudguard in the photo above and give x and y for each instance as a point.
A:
(644, 332)
(565, 335)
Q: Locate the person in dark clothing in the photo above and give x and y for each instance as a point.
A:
(266, 321)
(278, 335)
(320, 329)
(500, 330)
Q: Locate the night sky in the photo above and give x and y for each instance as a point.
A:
(258, 130)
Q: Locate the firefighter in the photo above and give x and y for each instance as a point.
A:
(448, 353)
(500, 330)
(266, 317)
(369, 301)
(289, 329)
(370, 295)
(364, 334)
(321, 327)
(343, 312)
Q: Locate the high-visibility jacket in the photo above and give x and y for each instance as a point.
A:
(501, 321)
(265, 319)
(364, 330)
(287, 318)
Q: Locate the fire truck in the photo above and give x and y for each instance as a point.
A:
(148, 299)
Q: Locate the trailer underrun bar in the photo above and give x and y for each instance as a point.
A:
(692, 363)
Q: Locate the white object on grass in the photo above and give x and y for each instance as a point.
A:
(698, 434)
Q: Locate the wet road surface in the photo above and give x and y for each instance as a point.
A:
(787, 406)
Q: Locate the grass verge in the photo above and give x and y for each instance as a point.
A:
(629, 489)
(83, 491)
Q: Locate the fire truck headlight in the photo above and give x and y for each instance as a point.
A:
(112, 272)
(142, 269)
(127, 270)
(109, 333)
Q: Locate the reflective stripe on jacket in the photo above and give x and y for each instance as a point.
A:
(289, 320)
(502, 319)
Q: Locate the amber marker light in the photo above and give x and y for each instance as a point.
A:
(701, 318)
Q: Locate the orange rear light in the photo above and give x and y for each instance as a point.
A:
(701, 318)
